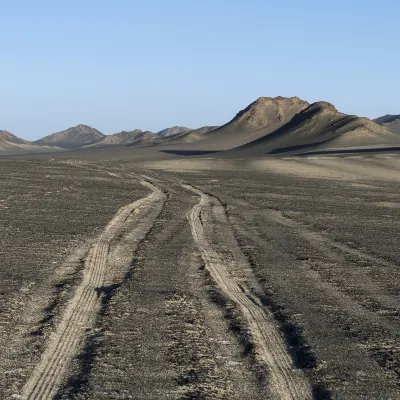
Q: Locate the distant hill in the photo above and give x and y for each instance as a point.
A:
(391, 122)
(173, 131)
(138, 137)
(8, 139)
(267, 125)
(186, 137)
(261, 117)
(320, 126)
(11, 144)
(123, 138)
(71, 138)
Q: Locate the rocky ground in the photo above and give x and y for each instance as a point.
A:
(200, 279)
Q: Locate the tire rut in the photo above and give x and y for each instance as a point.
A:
(80, 315)
(313, 236)
(285, 381)
(334, 248)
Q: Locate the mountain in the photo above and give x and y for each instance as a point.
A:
(11, 144)
(173, 131)
(261, 117)
(8, 139)
(391, 122)
(266, 113)
(320, 126)
(138, 137)
(72, 138)
(123, 138)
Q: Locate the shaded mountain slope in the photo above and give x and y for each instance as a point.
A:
(320, 126)
(391, 122)
(71, 138)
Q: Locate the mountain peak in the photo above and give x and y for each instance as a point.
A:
(267, 111)
(6, 136)
(320, 106)
(73, 137)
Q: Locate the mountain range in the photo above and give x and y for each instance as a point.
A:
(266, 126)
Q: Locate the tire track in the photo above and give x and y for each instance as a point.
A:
(285, 381)
(80, 315)
(371, 287)
(315, 237)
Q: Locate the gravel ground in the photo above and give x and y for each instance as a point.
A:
(312, 242)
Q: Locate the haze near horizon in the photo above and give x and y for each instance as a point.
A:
(126, 65)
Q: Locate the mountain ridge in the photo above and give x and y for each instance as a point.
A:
(320, 125)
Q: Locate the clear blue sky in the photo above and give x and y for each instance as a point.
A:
(120, 65)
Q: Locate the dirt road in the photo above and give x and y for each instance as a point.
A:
(284, 381)
(80, 315)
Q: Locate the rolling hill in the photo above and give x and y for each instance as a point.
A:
(174, 130)
(391, 122)
(123, 138)
(137, 137)
(11, 144)
(8, 139)
(72, 138)
(320, 127)
(186, 137)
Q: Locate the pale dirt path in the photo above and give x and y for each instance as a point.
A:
(80, 315)
(285, 381)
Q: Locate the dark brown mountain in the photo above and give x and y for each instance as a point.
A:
(321, 126)
(72, 138)
(391, 122)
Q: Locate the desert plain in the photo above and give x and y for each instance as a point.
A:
(151, 275)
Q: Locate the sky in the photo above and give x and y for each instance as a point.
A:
(120, 65)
